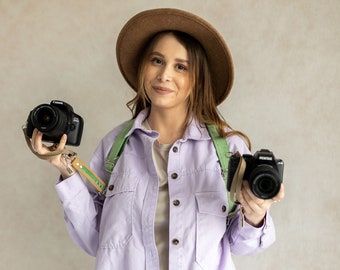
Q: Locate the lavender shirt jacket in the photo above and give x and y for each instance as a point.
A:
(118, 228)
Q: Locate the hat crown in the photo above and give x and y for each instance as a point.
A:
(137, 32)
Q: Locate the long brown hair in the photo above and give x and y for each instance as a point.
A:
(201, 101)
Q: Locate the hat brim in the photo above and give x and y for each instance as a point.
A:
(140, 28)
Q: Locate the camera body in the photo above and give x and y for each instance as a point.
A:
(54, 120)
(263, 172)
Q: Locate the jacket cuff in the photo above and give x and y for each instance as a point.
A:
(69, 188)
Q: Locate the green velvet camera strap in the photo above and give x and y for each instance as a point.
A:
(222, 151)
(118, 147)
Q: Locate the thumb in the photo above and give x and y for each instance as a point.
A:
(62, 142)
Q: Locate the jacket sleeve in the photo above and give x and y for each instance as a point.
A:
(82, 204)
(249, 240)
(81, 213)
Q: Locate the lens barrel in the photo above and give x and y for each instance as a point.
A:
(265, 182)
(49, 120)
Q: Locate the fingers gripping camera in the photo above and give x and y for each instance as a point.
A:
(54, 120)
(263, 172)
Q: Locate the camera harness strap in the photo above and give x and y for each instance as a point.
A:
(222, 150)
(220, 144)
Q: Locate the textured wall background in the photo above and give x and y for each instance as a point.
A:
(286, 98)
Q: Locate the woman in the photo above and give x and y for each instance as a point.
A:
(165, 203)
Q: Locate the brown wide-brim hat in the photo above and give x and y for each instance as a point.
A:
(137, 32)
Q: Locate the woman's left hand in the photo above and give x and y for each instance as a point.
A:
(254, 208)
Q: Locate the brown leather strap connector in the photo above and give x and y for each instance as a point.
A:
(237, 180)
(235, 188)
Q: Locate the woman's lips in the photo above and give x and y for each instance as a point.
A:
(162, 90)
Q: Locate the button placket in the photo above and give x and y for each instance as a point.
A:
(175, 192)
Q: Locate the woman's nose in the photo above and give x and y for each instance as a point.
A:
(165, 74)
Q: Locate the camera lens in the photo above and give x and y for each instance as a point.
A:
(46, 118)
(264, 182)
(49, 120)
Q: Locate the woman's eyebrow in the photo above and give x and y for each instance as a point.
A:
(176, 59)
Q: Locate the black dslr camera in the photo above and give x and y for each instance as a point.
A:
(54, 120)
(263, 172)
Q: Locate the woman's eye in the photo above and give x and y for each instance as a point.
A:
(181, 67)
(156, 61)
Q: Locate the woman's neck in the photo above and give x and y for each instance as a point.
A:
(170, 126)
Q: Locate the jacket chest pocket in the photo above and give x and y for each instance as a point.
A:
(117, 216)
(212, 211)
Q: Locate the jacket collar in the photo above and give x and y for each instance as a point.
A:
(194, 131)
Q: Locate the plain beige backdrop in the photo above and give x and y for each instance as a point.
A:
(285, 97)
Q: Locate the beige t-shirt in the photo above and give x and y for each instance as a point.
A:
(160, 157)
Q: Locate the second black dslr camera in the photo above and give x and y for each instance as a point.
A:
(54, 120)
(263, 172)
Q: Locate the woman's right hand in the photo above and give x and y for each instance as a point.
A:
(57, 161)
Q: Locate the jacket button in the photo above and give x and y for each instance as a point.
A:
(175, 241)
(111, 187)
(174, 175)
(176, 202)
(175, 149)
(224, 208)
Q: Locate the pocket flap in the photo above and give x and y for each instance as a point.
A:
(213, 203)
(120, 183)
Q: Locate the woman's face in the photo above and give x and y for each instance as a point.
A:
(166, 74)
